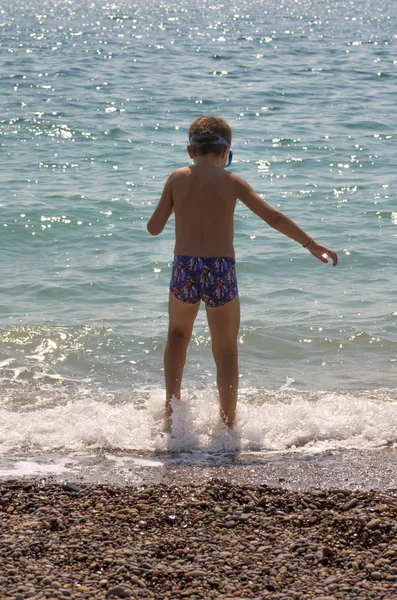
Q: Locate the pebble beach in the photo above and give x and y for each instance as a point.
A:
(96, 101)
(212, 539)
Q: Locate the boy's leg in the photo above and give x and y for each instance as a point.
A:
(224, 323)
(182, 316)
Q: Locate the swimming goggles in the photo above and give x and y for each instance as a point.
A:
(212, 138)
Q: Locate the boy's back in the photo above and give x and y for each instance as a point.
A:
(204, 198)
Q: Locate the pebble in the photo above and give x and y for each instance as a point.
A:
(229, 524)
(211, 541)
(350, 504)
(119, 591)
(373, 523)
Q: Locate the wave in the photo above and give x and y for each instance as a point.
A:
(286, 420)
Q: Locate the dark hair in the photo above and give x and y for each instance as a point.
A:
(203, 129)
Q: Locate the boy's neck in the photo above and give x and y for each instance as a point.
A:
(209, 160)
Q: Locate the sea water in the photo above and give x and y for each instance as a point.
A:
(96, 100)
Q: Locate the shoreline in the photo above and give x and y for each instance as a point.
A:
(212, 539)
(343, 469)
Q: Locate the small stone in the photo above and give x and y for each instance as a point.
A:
(373, 524)
(143, 507)
(119, 591)
(71, 487)
(33, 524)
(125, 513)
(350, 504)
(376, 575)
(55, 585)
(230, 524)
(170, 519)
(325, 553)
(55, 524)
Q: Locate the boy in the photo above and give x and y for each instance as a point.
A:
(203, 197)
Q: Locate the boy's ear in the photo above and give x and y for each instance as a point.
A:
(190, 152)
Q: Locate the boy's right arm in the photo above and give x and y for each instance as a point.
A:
(163, 209)
(281, 222)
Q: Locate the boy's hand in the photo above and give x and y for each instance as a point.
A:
(322, 253)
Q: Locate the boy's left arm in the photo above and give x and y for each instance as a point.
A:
(163, 210)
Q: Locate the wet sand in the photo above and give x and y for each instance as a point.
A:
(209, 539)
(350, 470)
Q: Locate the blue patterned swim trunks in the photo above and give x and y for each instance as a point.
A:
(196, 278)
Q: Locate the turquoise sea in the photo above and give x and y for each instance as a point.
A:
(96, 99)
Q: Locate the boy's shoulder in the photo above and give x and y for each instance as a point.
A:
(188, 170)
(181, 172)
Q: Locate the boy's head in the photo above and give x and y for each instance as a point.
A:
(208, 134)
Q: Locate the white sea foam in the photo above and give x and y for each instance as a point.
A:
(267, 421)
(33, 467)
(6, 362)
(74, 465)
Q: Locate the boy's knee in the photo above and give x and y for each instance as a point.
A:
(227, 355)
(230, 353)
(225, 347)
(178, 335)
